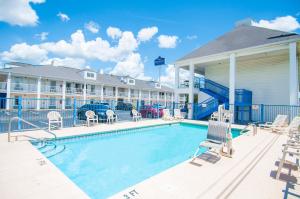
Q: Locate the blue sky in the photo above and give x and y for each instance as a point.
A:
(189, 23)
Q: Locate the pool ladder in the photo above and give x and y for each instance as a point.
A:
(45, 141)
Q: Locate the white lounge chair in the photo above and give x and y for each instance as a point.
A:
(291, 148)
(217, 134)
(279, 122)
(91, 117)
(177, 114)
(136, 115)
(167, 115)
(54, 117)
(292, 127)
(111, 116)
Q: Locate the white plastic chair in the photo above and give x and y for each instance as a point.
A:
(167, 115)
(54, 117)
(136, 115)
(177, 114)
(111, 117)
(91, 117)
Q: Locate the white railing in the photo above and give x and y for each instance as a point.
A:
(21, 87)
(51, 89)
(95, 92)
(77, 91)
(108, 94)
(122, 94)
(135, 95)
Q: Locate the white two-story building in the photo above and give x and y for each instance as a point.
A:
(260, 60)
(62, 84)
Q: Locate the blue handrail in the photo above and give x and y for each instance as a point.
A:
(205, 108)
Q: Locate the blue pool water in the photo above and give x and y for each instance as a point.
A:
(106, 164)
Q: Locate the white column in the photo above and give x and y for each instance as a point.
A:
(149, 97)
(63, 104)
(84, 92)
(116, 94)
(293, 82)
(129, 94)
(176, 83)
(191, 90)
(101, 93)
(165, 98)
(8, 90)
(38, 102)
(157, 98)
(232, 73)
(140, 97)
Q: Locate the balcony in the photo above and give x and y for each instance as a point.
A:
(93, 92)
(108, 94)
(122, 94)
(76, 91)
(135, 95)
(20, 87)
(198, 82)
(51, 89)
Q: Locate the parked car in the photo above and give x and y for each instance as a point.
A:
(124, 106)
(151, 111)
(99, 109)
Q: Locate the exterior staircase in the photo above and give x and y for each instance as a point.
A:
(219, 95)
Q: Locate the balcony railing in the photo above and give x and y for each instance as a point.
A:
(94, 92)
(76, 91)
(51, 89)
(122, 94)
(134, 95)
(108, 94)
(20, 87)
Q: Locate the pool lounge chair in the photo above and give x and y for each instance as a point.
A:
(177, 114)
(167, 115)
(91, 117)
(216, 137)
(292, 127)
(291, 148)
(111, 116)
(54, 117)
(279, 122)
(136, 116)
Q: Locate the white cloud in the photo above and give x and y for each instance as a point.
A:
(63, 17)
(68, 61)
(286, 23)
(113, 32)
(165, 41)
(146, 34)
(132, 66)
(191, 37)
(169, 78)
(92, 26)
(42, 36)
(19, 12)
(25, 53)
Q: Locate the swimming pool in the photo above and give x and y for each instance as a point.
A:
(104, 164)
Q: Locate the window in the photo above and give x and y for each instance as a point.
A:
(90, 75)
(52, 101)
(131, 81)
(16, 100)
(157, 85)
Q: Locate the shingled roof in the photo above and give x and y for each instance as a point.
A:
(240, 37)
(73, 74)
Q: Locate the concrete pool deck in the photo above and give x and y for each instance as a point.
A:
(26, 173)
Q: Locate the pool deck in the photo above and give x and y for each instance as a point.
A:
(26, 173)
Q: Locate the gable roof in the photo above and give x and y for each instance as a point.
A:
(243, 36)
(74, 75)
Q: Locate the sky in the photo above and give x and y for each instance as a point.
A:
(123, 37)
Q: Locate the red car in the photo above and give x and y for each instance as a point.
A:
(150, 111)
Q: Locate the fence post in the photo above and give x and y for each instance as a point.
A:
(19, 111)
(261, 113)
(138, 105)
(74, 112)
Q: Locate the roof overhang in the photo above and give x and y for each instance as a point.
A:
(283, 45)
